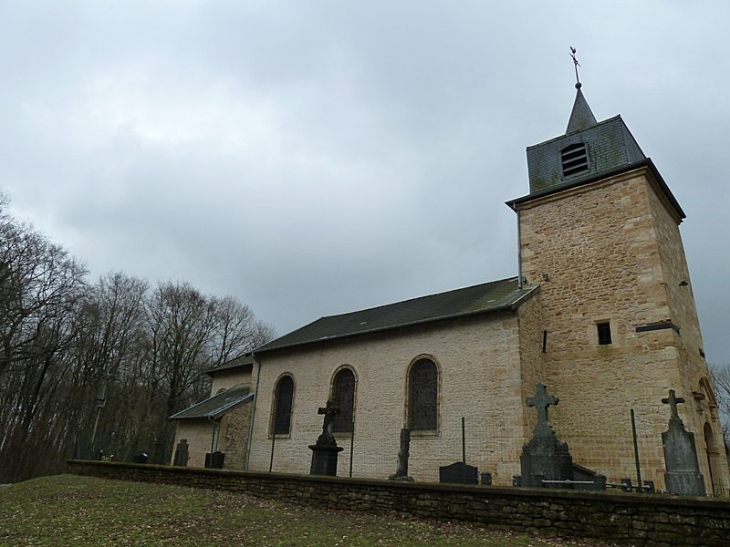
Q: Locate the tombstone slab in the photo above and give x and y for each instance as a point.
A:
(401, 472)
(181, 454)
(544, 457)
(683, 475)
(459, 473)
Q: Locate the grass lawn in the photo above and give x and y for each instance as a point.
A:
(74, 510)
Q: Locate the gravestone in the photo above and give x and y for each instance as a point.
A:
(544, 457)
(401, 472)
(683, 475)
(181, 454)
(325, 451)
(460, 473)
(215, 460)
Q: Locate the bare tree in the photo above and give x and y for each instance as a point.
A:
(109, 350)
(85, 368)
(41, 288)
(236, 329)
(721, 379)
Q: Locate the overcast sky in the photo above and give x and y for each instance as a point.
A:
(318, 157)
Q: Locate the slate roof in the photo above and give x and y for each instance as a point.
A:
(240, 361)
(216, 406)
(581, 117)
(478, 299)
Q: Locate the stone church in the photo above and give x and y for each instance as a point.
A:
(601, 311)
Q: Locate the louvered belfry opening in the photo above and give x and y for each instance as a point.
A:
(574, 159)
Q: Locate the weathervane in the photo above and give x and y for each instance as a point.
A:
(577, 64)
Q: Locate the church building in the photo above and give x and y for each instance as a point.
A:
(601, 311)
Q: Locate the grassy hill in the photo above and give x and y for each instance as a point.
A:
(73, 510)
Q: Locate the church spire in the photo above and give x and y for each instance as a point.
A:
(581, 117)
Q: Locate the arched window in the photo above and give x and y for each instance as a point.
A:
(283, 396)
(343, 391)
(423, 396)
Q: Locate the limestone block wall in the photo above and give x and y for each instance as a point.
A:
(232, 438)
(694, 374)
(199, 435)
(531, 366)
(480, 380)
(611, 251)
(226, 379)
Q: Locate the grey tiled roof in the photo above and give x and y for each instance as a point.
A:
(581, 117)
(240, 361)
(610, 146)
(478, 299)
(216, 406)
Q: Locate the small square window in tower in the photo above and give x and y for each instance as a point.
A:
(604, 333)
(574, 159)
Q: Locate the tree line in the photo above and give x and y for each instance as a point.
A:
(95, 369)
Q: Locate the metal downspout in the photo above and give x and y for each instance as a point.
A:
(519, 250)
(253, 412)
(216, 434)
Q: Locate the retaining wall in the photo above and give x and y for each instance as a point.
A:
(627, 519)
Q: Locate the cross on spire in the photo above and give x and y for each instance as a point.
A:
(673, 401)
(576, 64)
(541, 401)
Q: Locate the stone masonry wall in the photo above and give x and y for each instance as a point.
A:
(199, 436)
(693, 369)
(479, 379)
(605, 252)
(232, 438)
(532, 370)
(226, 379)
(626, 519)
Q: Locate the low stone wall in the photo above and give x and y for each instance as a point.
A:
(627, 519)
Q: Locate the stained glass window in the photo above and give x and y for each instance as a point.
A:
(343, 391)
(282, 406)
(423, 396)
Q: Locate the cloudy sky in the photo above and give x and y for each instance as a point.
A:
(317, 157)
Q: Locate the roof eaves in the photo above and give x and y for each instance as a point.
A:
(635, 165)
(231, 364)
(214, 413)
(509, 306)
(561, 137)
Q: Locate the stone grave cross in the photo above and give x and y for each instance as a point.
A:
(683, 475)
(541, 401)
(329, 411)
(673, 401)
(325, 450)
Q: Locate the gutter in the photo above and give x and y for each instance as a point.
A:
(519, 250)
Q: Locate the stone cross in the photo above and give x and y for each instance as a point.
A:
(329, 411)
(541, 401)
(673, 401)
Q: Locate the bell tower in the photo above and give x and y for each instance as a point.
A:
(599, 232)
